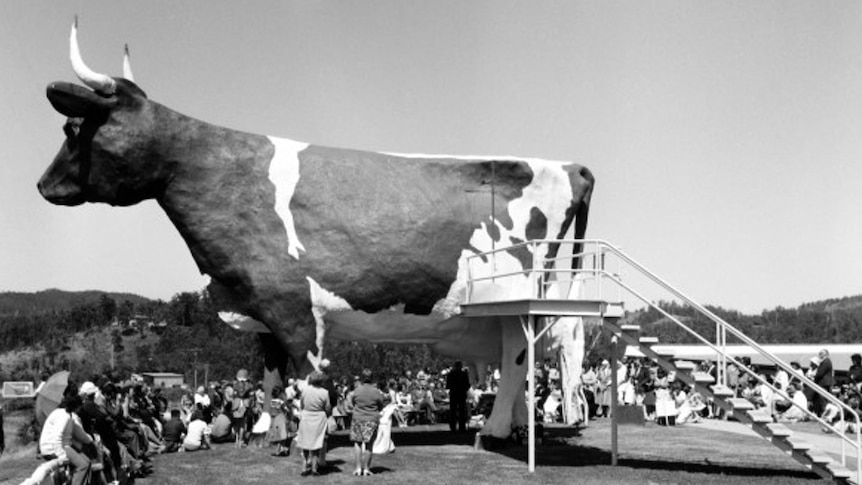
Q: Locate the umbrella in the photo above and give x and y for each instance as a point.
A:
(50, 395)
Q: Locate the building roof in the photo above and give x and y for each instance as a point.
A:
(839, 353)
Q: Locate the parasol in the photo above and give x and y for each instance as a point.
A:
(50, 395)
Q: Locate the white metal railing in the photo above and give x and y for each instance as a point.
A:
(544, 273)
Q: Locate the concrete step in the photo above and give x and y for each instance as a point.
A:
(702, 378)
(614, 310)
(797, 444)
(779, 430)
(759, 417)
(740, 404)
(648, 341)
(818, 458)
(721, 391)
(839, 471)
(685, 365)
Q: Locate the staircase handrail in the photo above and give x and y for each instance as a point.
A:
(741, 365)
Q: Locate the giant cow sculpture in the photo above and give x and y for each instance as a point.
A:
(306, 242)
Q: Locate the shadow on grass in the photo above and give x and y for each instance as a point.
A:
(413, 437)
(559, 451)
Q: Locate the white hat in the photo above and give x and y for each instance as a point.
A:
(88, 388)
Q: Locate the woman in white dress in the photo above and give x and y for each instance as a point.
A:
(316, 409)
(383, 442)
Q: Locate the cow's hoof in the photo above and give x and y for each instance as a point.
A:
(490, 443)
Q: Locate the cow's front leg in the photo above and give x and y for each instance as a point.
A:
(274, 366)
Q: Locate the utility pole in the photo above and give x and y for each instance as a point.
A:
(196, 351)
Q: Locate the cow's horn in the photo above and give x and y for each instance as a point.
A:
(127, 65)
(100, 83)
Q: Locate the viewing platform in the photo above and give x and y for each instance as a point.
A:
(544, 308)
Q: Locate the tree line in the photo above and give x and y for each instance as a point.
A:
(196, 340)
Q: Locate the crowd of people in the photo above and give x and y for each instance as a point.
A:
(111, 429)
(781, 394)
(107, 430)
(642, 382)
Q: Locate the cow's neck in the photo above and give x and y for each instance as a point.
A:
(219, 176)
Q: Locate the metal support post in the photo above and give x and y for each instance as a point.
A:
(531, 393)
(614, 397)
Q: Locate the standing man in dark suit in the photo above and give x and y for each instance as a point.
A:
(824, 377)
(458, 383)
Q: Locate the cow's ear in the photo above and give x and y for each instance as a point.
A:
(129, 87)
(78, 102)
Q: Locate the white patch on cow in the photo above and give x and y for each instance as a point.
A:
(550, 191)
(242, 322)
(323, 302)
(284, 174)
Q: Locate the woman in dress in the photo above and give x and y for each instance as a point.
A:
(315, 410)
(405, 405)
(603, 386)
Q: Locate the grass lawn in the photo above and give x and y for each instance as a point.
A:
(653, 455)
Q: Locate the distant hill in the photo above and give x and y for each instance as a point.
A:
(846, 303)
(46, 301)
(836, 320)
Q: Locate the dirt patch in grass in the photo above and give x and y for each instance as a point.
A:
(651, 454)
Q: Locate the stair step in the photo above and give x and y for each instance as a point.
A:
(719, 390)
(779, 430)
(839, 471)
(818, 458)
(702, 378)
(797, 444)
(686, 365)
(759, 417)
(613, 310)
(648, 341)
(632, 332)
(740, 404)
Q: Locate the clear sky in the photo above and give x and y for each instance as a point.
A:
(725, 137)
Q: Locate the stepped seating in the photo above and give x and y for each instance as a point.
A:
(741, 409)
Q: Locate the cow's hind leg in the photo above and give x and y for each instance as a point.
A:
(509, 405)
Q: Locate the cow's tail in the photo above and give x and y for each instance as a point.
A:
(582, 190)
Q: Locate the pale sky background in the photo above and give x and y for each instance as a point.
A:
(725, 137)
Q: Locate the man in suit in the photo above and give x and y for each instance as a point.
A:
(458, 383)
(824, 377)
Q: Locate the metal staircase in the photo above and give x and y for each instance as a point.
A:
(550, 288)
(741, 409)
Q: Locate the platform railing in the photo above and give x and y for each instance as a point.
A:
(545, 272)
